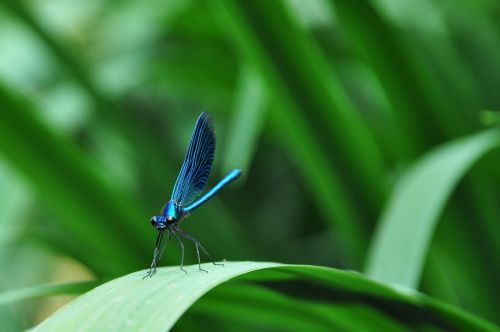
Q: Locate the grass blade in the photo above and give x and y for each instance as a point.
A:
(66, 180)
(283, 77)
(400, 245)
(248, 120)
(131, 303)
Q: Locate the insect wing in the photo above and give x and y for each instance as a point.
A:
(197, 164)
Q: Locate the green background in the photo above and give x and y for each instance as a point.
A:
(327, 106)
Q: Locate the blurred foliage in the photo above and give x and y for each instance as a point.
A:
(324, 104)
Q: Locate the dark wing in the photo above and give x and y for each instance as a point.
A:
(197, 164)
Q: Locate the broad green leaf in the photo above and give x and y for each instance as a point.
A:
(407, 224)
(312, 296)
(268, 308)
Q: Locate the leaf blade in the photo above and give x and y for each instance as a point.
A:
(130, 303)
(402, 239)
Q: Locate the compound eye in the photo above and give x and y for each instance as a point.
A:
(153, 221)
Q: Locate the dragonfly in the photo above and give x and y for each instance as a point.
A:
(187, 194)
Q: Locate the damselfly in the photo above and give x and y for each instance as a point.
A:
(191, 180)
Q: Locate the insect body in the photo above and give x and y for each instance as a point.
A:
(188, 188)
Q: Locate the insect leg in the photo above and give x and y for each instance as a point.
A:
(182, 249)
(156, 257)
(162, 246)
(198, 244)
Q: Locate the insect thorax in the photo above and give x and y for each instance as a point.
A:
(173, 212)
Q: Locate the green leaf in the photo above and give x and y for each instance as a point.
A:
(304, 93)
(312, 296)
(402, 239)
(248, 120)
(66, 180)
